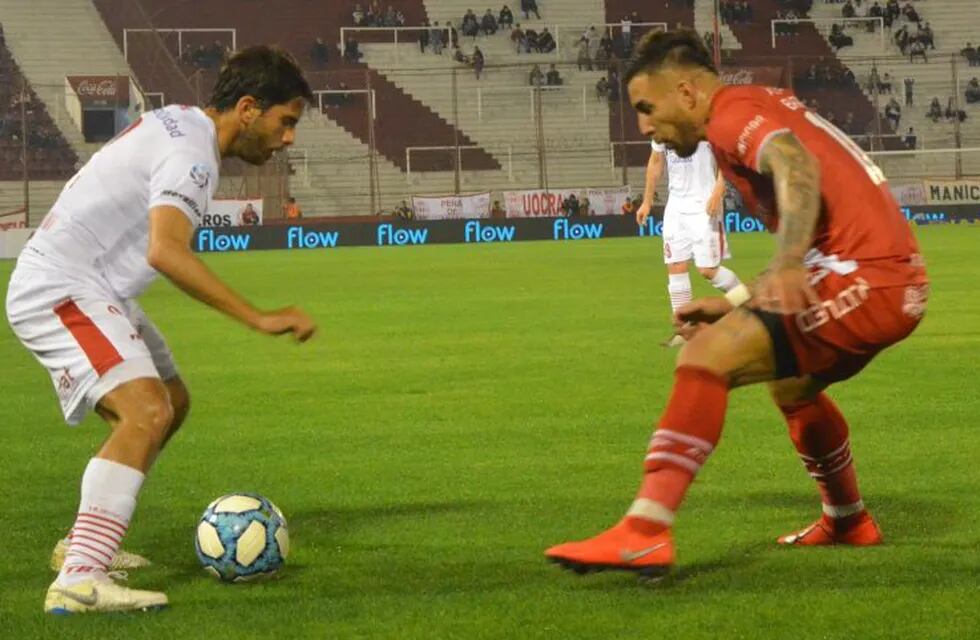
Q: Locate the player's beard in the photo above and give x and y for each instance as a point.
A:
(251, 146)
(687, 140)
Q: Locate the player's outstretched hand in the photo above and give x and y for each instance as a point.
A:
(291, 320)
(701, 311)
(785, 289)
(642, 213)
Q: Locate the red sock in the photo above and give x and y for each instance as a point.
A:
(686, 435)
(820, 434)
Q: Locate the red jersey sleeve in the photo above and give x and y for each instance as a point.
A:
(740, 127)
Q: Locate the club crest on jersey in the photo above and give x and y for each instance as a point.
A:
(201, 175)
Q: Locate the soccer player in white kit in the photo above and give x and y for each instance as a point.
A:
(127, 215)
(693, 226)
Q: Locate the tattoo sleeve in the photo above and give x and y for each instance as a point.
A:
(796, 179)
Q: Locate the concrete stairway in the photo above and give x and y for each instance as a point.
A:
(54, 38)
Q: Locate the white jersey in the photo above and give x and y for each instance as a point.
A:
(690, 181)
(99, 226)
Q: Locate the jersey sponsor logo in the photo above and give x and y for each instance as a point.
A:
(66, 384)
(201, 175)
(743, 139)
(834, 309)
(169, 123)
(188, 201)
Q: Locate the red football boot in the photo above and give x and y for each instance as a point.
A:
(858, 530)
(621, 548)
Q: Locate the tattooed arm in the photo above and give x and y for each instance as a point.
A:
(796, 179)
(785, 287)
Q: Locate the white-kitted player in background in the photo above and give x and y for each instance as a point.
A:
(127, 215)
(693, 221)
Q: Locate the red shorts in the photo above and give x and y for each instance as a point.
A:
(857, 320)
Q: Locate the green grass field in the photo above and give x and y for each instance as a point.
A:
(467, 406)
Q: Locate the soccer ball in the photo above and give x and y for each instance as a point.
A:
(242, 536)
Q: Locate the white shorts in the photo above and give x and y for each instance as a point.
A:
(88, 339)
(697, 236)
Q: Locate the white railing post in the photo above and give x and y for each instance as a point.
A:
(408, 165)
(180, 43)
(772, 29)
(126, 45)
(234, 39)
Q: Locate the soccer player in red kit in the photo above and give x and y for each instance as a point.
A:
(846, 281)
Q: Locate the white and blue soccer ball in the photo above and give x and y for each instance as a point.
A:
(242, 536)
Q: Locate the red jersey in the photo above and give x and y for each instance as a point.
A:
(860, 222)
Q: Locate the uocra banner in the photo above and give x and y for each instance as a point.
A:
(233, 213)
(475, 205)
(536, 203)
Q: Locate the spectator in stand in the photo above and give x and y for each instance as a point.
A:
(875, 11)
(602, 89)
(529, 7)
(926, 36)
(291, 210)
(973, 91)
(910, 13)
(553, 78)
(582, 58)
(953, 113)
(546, 43)
(614, 85)
(469, 25)
(886, 83)
(838, 39)
(424, 36)
(489, 23)
(404, 211)
(519, 39)
(849, 126)
(917, 49)
(536, 77)
(531, 40)
(909, 91)
(453, 34)
(320, 53)
(358, 15)
(902, 39)
(847, 10)
(352, 52)
(935, 110)
(437, 38)
(910, 141)
(570, 206)
(972, 55)
(460, 57)
(497, 211)
(390, 17)
(893, 113)
(478, 61)
(628, 208)
(506, 18)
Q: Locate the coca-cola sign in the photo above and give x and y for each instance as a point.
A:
(771, 75)
(101, 90)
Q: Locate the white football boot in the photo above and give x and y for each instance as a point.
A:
(100, 594)
(123, 560)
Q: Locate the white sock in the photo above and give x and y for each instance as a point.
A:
(679, 288)
(109, 491)
(725, 279)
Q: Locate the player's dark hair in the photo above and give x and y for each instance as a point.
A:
(658, 49)
(268, 74)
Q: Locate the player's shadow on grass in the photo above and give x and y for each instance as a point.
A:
(343, 518)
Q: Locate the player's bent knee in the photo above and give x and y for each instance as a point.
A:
(180, 402)
(737, 348)
(708, 272)
(152, 421)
